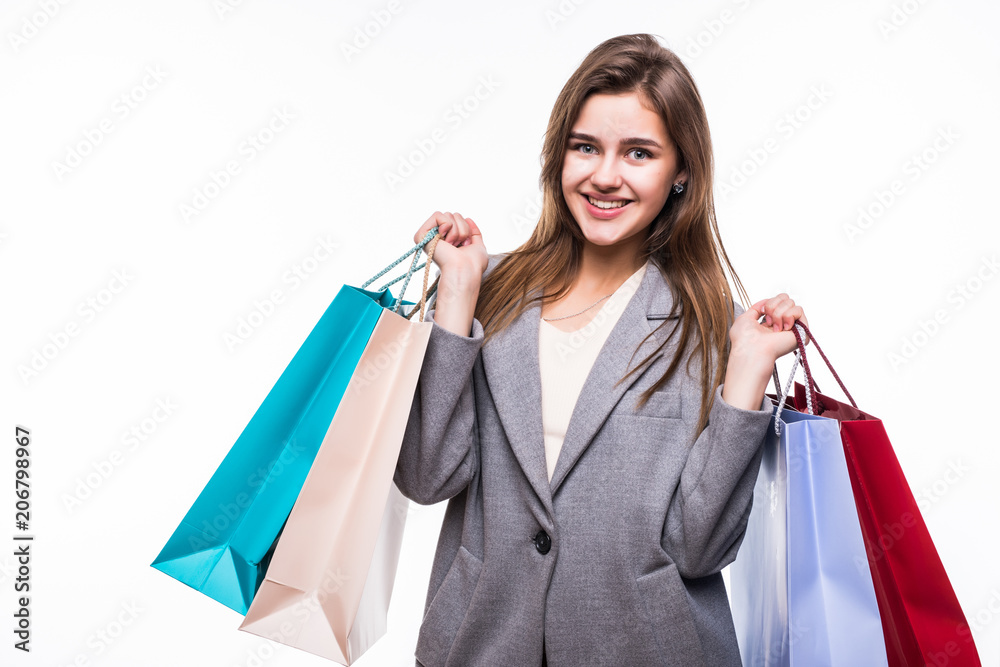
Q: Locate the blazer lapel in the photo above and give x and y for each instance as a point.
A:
(598, 397)
(510, 360)
(512, 372)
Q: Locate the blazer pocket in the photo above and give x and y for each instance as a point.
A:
(447, 610)
(663, 404)
(670, 617)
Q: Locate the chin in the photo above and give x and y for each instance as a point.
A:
(603, 240)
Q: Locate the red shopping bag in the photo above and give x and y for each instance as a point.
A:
(922, 620)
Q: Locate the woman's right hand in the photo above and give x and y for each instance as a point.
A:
(460, 250)
(462, 258)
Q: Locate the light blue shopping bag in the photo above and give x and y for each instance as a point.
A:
(224, 543)
(801, 589)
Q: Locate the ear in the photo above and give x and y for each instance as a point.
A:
(681, 177)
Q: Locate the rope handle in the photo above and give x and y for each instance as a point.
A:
(777, 379)
(427, 238)
(425, 293)
(431, 237)
(783, 393)
(814, 404)
(798, 330)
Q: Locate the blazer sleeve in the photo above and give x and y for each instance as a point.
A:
(707, 516)
(440, 451)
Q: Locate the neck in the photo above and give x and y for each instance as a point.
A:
(603, 269)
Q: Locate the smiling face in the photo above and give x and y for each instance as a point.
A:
(619, 156)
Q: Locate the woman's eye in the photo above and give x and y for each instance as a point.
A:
(581, 147)
(640, 154)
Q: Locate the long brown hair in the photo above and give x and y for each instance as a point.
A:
(683, 241)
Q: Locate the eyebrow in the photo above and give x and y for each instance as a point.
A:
(627, 141)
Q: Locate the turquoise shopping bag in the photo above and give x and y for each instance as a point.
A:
(224, 543)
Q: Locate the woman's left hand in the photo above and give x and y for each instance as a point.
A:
(755, 346)
(772, 337)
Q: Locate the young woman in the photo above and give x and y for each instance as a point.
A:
(592, 404)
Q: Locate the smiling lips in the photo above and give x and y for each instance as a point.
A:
(607, 205)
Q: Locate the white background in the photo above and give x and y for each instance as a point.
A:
(894, 77)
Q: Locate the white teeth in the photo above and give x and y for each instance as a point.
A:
(607, 204)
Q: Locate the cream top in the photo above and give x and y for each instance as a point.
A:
(565, 359)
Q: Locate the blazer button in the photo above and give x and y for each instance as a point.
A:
(543, 542)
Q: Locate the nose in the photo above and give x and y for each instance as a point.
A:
(607, 175)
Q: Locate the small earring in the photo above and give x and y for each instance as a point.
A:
(678, 188)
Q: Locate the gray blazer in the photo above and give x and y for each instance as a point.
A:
(616, 561)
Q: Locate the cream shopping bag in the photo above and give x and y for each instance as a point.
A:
(328, 585)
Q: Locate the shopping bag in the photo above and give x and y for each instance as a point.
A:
(922, 620)
(223, 544)
(798, 598)
(328, 585)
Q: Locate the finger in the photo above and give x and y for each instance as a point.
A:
(759, 309)
(428, 224)
(457, 230)
(769, 311)
(802, 317)
(789, 316)
(755, 311)
(779, 313)
(785, 314)
(446, 226)
(475, 235)
(773, 310)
